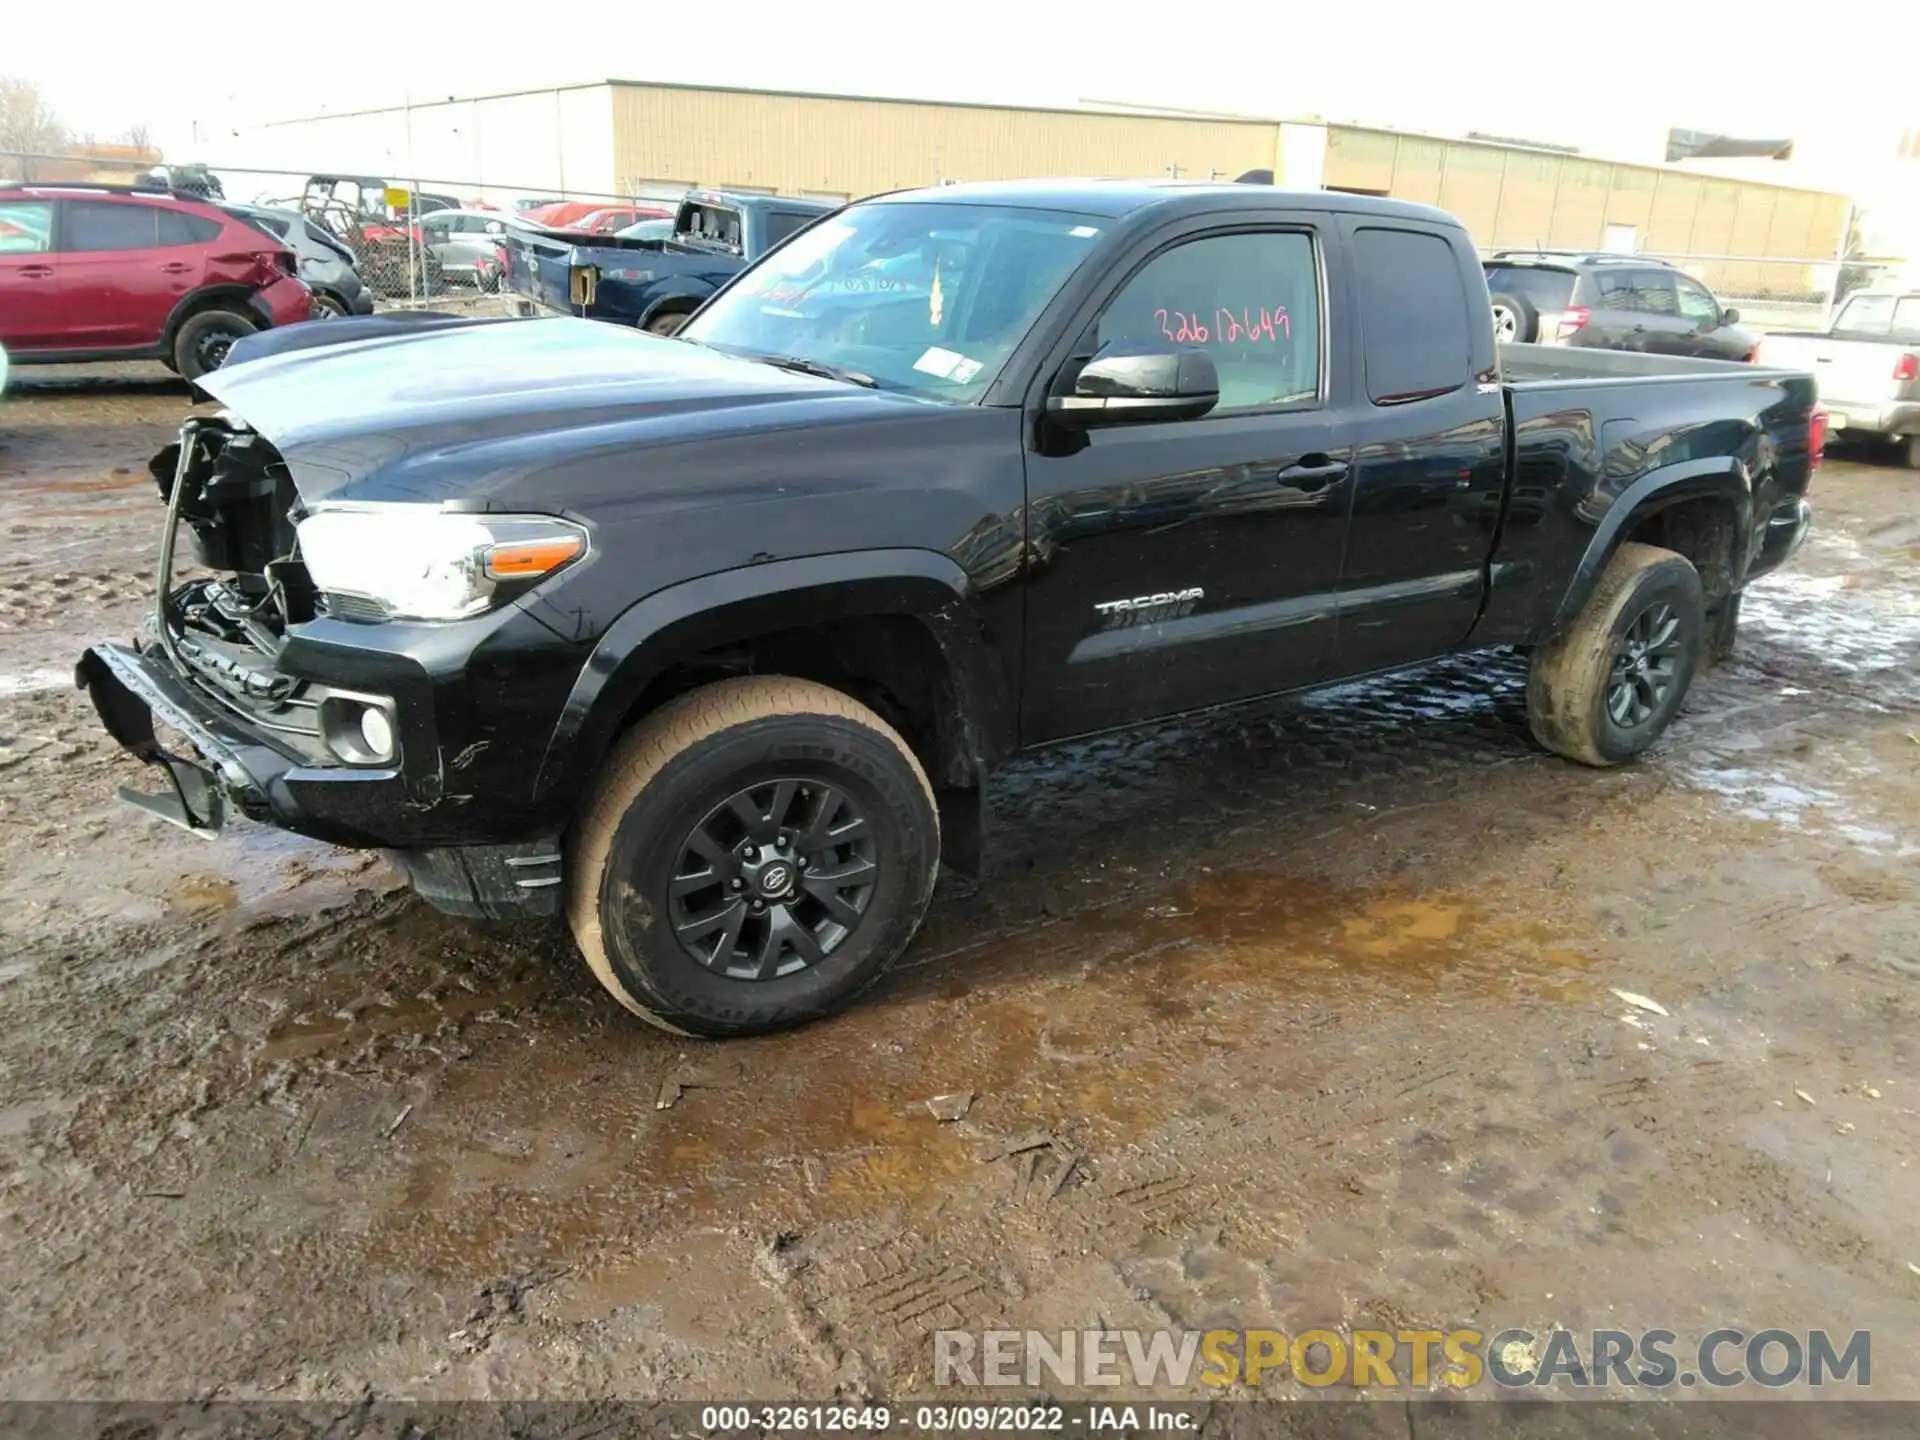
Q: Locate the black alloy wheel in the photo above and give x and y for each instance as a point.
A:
(1645, 666)
(773, 879)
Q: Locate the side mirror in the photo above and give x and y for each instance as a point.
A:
(1135, 382)
(1729, 317)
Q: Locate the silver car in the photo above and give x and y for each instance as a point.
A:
(462, 240)
(326, 264)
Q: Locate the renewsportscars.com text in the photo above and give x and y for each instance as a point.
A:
(1416, 1359)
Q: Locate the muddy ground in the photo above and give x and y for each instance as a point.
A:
(1316, 998)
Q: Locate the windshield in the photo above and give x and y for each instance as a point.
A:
(929, 298)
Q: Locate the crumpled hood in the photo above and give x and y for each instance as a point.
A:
(453, 413)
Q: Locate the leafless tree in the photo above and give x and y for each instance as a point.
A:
(139, 137)
(26, 125)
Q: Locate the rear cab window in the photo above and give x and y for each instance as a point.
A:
(710, 226)
(1416, 326)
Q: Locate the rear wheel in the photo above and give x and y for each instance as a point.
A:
(1515, 321)
(755, 854)
(201, 344)
(1609, 686)
(328, 307)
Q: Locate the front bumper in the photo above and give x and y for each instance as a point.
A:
(237, 766)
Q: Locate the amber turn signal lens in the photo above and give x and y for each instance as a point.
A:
(530, 559)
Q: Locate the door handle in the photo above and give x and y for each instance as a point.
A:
(1314, 472)
(36, 272)
(175, 269)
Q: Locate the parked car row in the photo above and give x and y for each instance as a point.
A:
(102, 272)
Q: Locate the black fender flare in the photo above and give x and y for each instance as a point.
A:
(1714, 477)
(694, 616)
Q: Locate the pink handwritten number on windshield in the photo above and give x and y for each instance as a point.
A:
(1251, 326)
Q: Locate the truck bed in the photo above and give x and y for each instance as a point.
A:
(1534, 365)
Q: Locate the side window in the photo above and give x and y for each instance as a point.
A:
(1418, 337)
(1616, 290)
(1866, 315)
(1252, 302)
(26, 227)
(102, 225)
(176, 227)
(1696, 304)
(1906, 320)
(1655, 292)
(782, 223)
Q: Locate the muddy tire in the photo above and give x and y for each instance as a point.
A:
(752, 856)
(1608, 687)
(201, 343)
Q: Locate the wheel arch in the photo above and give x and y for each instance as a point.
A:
(684, 298)
(896, 628)
(1701, 508)
(237, 298)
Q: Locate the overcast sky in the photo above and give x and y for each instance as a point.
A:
(1609, 77)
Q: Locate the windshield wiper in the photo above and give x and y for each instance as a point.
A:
(801, 365)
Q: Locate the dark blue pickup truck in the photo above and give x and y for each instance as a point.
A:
(654, 283)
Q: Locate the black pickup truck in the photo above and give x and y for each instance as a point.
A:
(711, 644)
(652, 283)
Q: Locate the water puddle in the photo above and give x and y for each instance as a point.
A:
(1101, 1029)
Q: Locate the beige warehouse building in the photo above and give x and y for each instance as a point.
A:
(632, 139)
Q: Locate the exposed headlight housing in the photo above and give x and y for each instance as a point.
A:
(412, 562)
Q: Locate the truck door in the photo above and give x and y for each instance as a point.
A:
(1429, 438)
(1174, 565)
(30, 313)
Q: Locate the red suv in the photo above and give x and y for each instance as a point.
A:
(100, 272)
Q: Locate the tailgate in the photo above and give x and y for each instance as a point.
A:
(1857, 370)
(539, 271)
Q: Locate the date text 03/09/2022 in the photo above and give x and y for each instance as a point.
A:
(955, 1419)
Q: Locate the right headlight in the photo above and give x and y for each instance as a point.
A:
(412, 562)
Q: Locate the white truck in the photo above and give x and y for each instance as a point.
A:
(1868, 366)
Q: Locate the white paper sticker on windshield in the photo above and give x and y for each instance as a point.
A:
(1081, 232)
(940, 363)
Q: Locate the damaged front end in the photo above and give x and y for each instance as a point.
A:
(208, 661)
(215, 635)
(253, 689)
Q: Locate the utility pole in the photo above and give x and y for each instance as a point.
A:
(1173, 171)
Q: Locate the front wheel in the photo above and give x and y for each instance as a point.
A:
(1609, 686)
(667, 324)
(754, 855)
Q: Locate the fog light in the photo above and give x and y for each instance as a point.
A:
(359, 728)
(377, 731)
